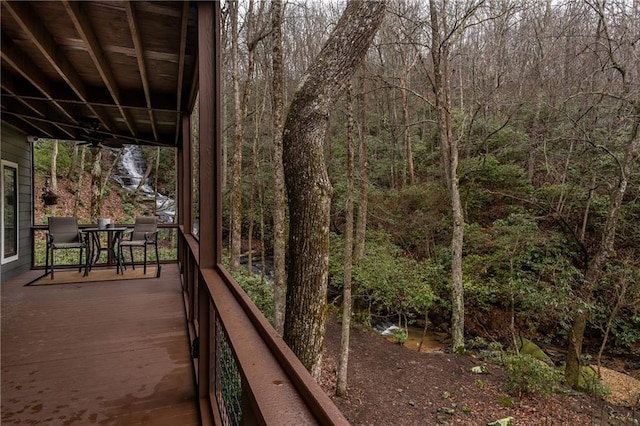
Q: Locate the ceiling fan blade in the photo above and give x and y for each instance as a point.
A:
(106, 143)
(112, 143)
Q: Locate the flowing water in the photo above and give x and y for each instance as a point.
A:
(131, 168)
(430, 342)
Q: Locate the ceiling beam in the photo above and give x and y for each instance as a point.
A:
(183, 47)
(142, 66)
(9, 86)
(36, 127)
(35, 106)
(98, 96)
(22, 65)
(32, 25)
(85, 29)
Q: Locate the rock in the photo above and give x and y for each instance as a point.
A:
(507, 421)
(480, 369)
(527, 347)
(447, 410)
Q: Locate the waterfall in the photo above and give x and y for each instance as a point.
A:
(131, 167)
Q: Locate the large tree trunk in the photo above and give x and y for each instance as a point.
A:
(307, 182)
(343, 360)
(440, 54)
(279, 223)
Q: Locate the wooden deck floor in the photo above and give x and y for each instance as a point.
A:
(109, 353)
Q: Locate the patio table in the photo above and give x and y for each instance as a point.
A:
(114, 235)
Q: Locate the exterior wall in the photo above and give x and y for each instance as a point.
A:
(15, 148)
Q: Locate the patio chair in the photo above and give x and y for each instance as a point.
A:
(64, 234)
(144, 234)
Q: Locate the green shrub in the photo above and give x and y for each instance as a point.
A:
(260, 292)
(399, 335)
(386, 281)
(527, 375)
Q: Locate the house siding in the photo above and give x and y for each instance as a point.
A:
(15, 148)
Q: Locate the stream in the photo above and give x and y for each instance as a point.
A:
(432, 340)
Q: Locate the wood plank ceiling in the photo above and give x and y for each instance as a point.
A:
(109, 69)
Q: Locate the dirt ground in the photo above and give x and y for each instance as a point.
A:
(392, 385)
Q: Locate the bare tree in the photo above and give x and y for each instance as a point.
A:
(74, 161)
(363, 171)
(343, 359)
(113, 165)
(443, 36)
(76, 204)
(96, 183)
(279, 225)
(236, 163)
(306, 177)
(54, 167)
(241, 104)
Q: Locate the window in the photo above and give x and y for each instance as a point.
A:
(9, 208)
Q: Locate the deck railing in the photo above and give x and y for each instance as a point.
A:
(245, 372)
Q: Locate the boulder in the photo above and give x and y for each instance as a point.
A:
(527, 347)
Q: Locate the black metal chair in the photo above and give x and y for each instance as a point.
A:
(144, 234)
(64, 234)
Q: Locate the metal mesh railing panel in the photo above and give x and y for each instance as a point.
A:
(227, 380)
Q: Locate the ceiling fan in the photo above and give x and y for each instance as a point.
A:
(96, 139)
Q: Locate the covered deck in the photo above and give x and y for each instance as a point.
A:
(112, 72)
(106, 352)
